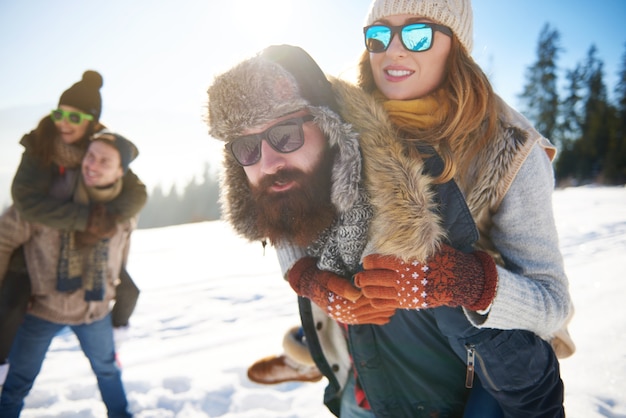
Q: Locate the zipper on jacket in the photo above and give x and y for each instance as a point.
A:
(469, 374)
(472, 355)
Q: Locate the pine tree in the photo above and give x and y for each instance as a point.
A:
(616, 164)
(598, 122)
(570, 124)
(540, 94)
(572, 111)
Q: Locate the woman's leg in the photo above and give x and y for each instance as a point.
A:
(96, 341)
(14, 296)
(126, 295)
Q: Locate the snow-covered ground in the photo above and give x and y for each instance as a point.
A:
(211, 304)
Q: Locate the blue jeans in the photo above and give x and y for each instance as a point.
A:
(349, 408)
(29, 350)
(479, 405)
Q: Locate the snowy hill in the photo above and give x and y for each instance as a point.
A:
(211, 304)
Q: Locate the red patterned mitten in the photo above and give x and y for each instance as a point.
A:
(335, 295)
(449, 278)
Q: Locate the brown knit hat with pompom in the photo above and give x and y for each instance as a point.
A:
(85, 94)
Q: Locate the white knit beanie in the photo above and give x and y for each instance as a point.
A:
(455, 14)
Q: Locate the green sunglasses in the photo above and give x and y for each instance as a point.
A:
(75, 118)
(415, 37)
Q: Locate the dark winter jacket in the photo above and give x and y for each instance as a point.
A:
(406, 367)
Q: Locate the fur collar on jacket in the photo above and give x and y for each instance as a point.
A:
(405, 223)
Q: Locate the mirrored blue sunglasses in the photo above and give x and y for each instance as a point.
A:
(415, 37)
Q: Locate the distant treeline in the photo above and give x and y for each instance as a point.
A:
(197, 202)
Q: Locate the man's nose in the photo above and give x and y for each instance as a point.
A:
(271, 160)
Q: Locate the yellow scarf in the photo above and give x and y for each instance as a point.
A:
(415, 115)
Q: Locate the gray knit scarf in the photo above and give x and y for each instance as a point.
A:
(341, 245)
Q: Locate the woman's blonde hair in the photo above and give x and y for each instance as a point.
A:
(472, 119)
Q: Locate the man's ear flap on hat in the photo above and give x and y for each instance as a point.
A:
(134, 151)
(127, 147)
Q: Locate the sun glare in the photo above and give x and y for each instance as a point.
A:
(257, 24)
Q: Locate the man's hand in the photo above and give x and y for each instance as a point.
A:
(335, 295)
(101, 223)
(309, 281)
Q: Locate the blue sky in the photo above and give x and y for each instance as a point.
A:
(159, 56)
(150, 50)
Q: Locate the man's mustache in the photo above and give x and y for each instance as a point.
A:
(282, 176)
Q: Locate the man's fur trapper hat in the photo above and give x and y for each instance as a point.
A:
(280, 80)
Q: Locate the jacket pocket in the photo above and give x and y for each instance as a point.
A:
(512, 360)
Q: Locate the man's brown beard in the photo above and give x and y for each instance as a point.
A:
(300, 214)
